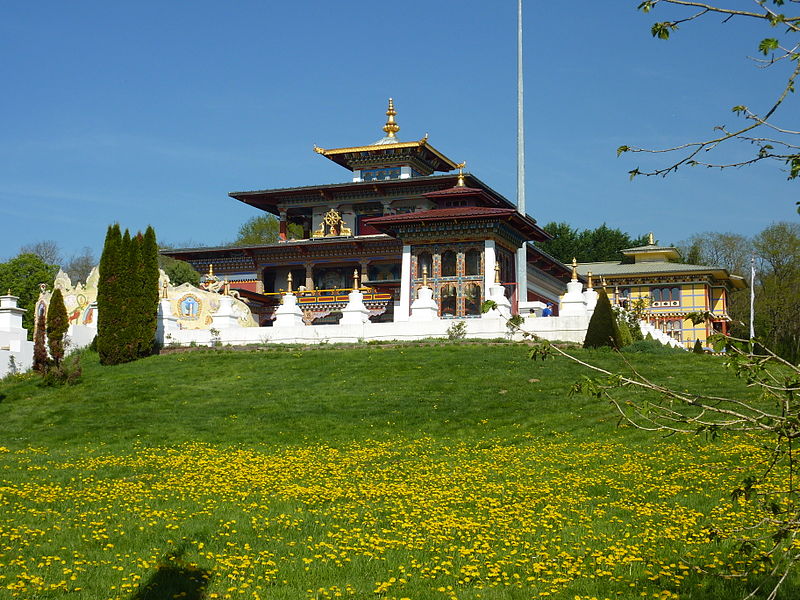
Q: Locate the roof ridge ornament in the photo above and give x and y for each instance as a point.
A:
(391, 128)
(460, 167)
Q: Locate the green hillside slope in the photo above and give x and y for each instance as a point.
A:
(446, 471)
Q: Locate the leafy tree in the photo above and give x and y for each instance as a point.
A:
(178, 271)
(731, 251)
(80, 265)
(770, 140)
(22, 275)
(57, 325)
(47, 250)
(777, 286)
(603, 330)
(264, 229)
(589, 245)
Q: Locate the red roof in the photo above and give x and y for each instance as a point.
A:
(524, 224)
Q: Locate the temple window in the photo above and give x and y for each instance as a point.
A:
(448, 300)
(425, 260)
(449, 264)
(472, 262)
(472, 298)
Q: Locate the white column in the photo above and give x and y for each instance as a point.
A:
(489, 261)
(405, 286)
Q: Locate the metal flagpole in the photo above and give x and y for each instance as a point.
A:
(522, 258)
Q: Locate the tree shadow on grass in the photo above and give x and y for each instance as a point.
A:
(175, 578)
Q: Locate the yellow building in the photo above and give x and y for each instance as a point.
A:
(671, 290)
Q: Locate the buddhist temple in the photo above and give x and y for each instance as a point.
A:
(668, 289)
(408, 213)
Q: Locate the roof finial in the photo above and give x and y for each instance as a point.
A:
(391, 127)
(460, 167)
(650, 239)
(574, 269)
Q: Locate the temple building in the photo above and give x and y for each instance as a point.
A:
(670, 290)
(405, 216)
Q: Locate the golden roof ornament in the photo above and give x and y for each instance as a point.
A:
(460, 167)
(424, 275)
(497, 272)
(650, 239)
(391, 127)
(355, 279)
(589, 283)
(289, 283)
(574, 269)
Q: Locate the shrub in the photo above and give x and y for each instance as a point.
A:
(625, 335)
(457, 331)
(698, 347)
(603, 330)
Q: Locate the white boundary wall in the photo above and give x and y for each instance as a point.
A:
(567, 329)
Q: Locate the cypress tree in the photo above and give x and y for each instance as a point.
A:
(132, 286)
(698, 347)
(602, 330)
(109, 298)
(57, 325)
(149, 292)
(40, 358)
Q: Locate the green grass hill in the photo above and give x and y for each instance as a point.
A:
(452, 471)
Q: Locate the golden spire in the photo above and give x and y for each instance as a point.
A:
(589, 283)
(424, 275)
(391, 127)
(460, 167)
(355, 279)
(497, 272)
(210, 270)
(289, 283)
(650, 239)
(574, 269)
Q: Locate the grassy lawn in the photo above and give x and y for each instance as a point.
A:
(442, 471)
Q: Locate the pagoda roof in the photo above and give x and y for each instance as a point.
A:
(617, 269)
(522, 223)
(268, 200)
(421, 148)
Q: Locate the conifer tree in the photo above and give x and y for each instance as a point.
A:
(40, 358)
(109, 298)
(602, 329)
(132, 290)
(57, 325)
(149, 292)
(698, 347)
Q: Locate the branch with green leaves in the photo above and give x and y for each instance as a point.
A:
(774, 416)
(778, 144)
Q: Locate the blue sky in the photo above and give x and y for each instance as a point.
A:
(151, 112)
